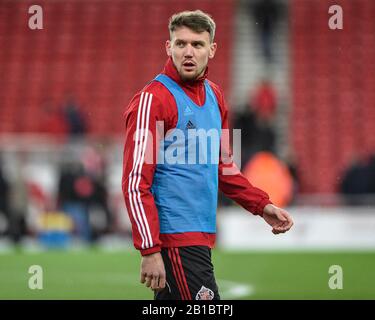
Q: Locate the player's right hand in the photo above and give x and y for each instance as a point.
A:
(153, 271)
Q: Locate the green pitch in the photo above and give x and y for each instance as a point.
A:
(94, 274)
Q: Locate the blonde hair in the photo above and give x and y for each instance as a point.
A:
(197, 20)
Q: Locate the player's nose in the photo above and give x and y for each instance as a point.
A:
(189, 52)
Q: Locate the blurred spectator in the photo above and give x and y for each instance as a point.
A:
(266, 14)
(102, 222)
(358, 184)
(372, 169)
(264, 101)
(18, 201)
(54, 122)
(75, 188)
(74, 117)
(265, 136)
(82, 194)
(4, 202)
(247, 123)
(256, 121)
(95, 166)
(269, 173)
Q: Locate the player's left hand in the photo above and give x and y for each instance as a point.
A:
(279, 219)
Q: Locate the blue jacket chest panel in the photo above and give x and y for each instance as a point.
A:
(185, 185)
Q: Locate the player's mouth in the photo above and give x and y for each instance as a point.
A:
(188, 65)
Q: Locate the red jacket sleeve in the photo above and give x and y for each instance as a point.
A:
(231, 181)
(139, 163)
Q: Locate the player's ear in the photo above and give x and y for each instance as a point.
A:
(213, 47)
(168, 48)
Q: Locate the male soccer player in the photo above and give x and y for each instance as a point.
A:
(172, 199)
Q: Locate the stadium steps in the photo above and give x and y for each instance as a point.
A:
(250, 67)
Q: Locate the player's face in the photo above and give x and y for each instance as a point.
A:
(190, 52)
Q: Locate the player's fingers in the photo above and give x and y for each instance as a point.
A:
(279, 226)
(158, 287)
(281, 216)
(143, 277)
(148, 281)
(289, 224)
(162, 282)
(279, 230)
(285, 225)
(155, 282)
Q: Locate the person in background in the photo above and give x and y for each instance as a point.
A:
(77, 123)
(4, 201)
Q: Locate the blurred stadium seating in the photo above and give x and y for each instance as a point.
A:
(332, 117)
(102, 52)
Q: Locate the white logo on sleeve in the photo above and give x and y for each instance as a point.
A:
(204, 294)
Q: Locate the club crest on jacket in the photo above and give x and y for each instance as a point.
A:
(204, 294)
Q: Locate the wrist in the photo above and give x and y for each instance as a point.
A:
(149, 251)
(262, 206)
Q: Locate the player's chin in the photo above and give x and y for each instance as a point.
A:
(188, 75)
(188, 78)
